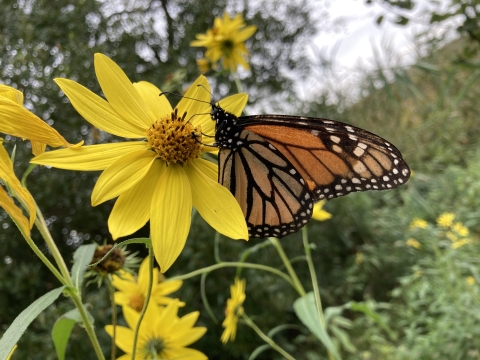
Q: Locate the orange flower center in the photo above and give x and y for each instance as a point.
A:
(174, 139)
(136, 302)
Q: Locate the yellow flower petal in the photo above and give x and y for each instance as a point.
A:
(18, 121)
(8, 176)
(90, 157)
(200, 91)
(99, 112)
(124, 339)
(132, 208)
(214, 202)
(6, 202)
(122, 175)
(159, 105)
(121, 93)
(184, 353)
(170, 215)
(144, 275)
(318, 213)
(11, 93)
(234, 104)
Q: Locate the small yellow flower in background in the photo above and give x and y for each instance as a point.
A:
(234, 310)
(162, 334)
(451, 236)
(8, 177)
(459, 243)
(133, 291)
(18, 121)
(418, 273)
(226, 41)
(11, 353)
(358, 257)
(446, 219)
(470, 280)
(418, 224)
(159, 179)
(413, 243)
(460, 229)
(318, 213)
(205, 65)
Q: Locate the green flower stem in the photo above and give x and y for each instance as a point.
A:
(111, 292)
(233, 264)
(147, 300)
(265, 338)
(313, 275)
(250, 251)
(297, 284)
(86, 321)
(64, 275)
(43, 228)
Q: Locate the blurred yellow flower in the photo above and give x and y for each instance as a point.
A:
(234, 310)
(446, 219)
(18, 121)
(162, 334)
(204, 65)
(418, 273)
(318, 213)
(418, 224)
(459, 243)
(358, 257)
(470, 280)
(460, 229)
(451, 236)
(226, 41)
(133, 291)
(160, 176)
(413, 243)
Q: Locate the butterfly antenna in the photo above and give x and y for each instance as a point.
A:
(182, 96)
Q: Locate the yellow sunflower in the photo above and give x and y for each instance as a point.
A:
(226, 41)
(162, 334)
(160, 176)
(132, 291)
(234, 310)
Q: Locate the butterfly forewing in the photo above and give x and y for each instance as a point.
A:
(333, 158)
(270, 191)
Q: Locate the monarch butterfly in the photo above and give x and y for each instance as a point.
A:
(277, 166)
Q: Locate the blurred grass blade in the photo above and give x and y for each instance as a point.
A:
(81, 259)
(307, 312)
(21, 322)
(258, 351)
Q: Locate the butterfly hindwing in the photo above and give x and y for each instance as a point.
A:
(270, 191)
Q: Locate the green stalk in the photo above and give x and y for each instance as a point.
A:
(266, 338)
(293, 275)
(232, 264)
(313, 275)
(147, 300)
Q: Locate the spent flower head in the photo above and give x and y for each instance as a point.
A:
(160, 176)
(162, 334)
(226, 42)
(233, 310)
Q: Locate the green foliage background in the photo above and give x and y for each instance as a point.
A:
(383, 298)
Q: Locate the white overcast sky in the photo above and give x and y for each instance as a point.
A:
(352, 38)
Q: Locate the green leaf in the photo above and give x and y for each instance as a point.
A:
(306, 311)
(344, 339)
(379, 20)
(258, 351)
(81, 259)
(62, 329)
(21, 322)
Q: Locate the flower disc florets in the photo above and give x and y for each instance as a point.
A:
(175, 140)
